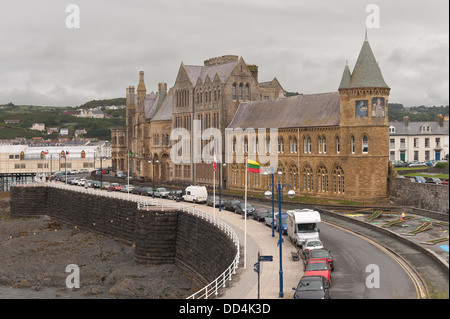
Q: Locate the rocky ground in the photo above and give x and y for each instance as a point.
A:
(34, 254)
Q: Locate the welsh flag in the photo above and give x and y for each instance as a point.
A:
(130, 154)
(253, 167)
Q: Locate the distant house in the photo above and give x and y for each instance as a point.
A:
(80, 132)
(38, 127)
(51, 130)
(91, 114)
(64, 131)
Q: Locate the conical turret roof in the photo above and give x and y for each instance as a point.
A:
(346, 78)
(367, 73)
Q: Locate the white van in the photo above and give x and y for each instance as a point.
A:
(196, 194)
(302, 224)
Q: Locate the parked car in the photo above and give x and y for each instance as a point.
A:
(126, 188)
(147, 191)
(137, 190)
(260, 214)
(416, 164)
(398, 163)
(96, 184)
(105, 185)
(320, 253)
(211, 200)
(433, 180)
(89, 183)
(319, 267)
(311, 244)
(161, 192)
(420, 179)
(115, 187)
(240, 209)
(312, 287)
(445, 182)
(230, 204)
(283, 222)
(121, 174)
(196, 194)
(268, 219)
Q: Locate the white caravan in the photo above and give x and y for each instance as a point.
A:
(196, 194)
(302, 224)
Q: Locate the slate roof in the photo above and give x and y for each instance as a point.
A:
(196, 72)
(414, 128)
(366, 72)
(321, 109)
(164, 112)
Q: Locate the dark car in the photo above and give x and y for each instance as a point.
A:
(240, 209)
(176, 194)
(230, 204)
(137, 190)
(211, 200)
(260, 214)
(147, 191)
(320, 253)
(433, 180)
(312, 287)
(283, 222)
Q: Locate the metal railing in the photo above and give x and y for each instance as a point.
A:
(212, 289)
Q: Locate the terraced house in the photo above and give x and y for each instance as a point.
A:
(333, 145)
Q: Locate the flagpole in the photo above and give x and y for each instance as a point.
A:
(245, 215)
(214, 189)
(128, 175)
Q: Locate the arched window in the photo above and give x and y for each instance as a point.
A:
(322, 179)
(324, 144)
(280, 145)
(234, 145)
(267, 145)
(234, 92)
(338, 180)
(309, 145)
(247, 92)
(319, 146)
(246, 145)
(352, 141)
(293, 177)
(295, 145)
(365, 144)
(305, 145)
(241, 92)
(338, 145)
(307, 176)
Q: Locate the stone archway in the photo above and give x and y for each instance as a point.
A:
(164, 168)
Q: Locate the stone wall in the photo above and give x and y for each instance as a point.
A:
(422, 195)
(159, 237)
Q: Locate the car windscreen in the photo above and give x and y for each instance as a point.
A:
(317, 266)
(307, 228)
(319, 254)
(312, 285)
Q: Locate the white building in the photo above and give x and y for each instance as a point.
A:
(418, 141)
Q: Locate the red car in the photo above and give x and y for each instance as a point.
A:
(115, 187)
(318, 267)
(445, 182)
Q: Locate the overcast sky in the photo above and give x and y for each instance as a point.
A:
(303, 43)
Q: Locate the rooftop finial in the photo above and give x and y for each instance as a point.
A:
(366, 39)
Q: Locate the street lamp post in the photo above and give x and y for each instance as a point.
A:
(153, 179)
(220, 186)
(268, 194)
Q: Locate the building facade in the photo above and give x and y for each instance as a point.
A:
(418, 141)
(331, 145)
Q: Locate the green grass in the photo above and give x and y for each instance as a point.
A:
(427, 175)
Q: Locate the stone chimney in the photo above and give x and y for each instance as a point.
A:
(440, 120)
(254, 70)
(406, 121)
(221, 60)
(162, 86)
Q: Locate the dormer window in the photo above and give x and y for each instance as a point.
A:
(391, 129)
(425, 128)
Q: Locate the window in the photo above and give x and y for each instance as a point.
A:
(234, 91)
(427, 155)
(319, 146)
(309, 144)
(308, 183)
(324, 144)
(416, 142)
(295, 145)
(338, 180)
(353, 144)
(427, 142)
(392, 143)
(338, 145)
(365, 144)
(392, 155)
(280, 145)
(241, 92)
(402, 143)
(391, 129)
(267, 145)
(247, 92)
(416, 155)
(322, 179)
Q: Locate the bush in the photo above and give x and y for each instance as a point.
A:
(441, 165)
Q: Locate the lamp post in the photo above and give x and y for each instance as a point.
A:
(153, 179)
(269, 194)
(220, 186)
